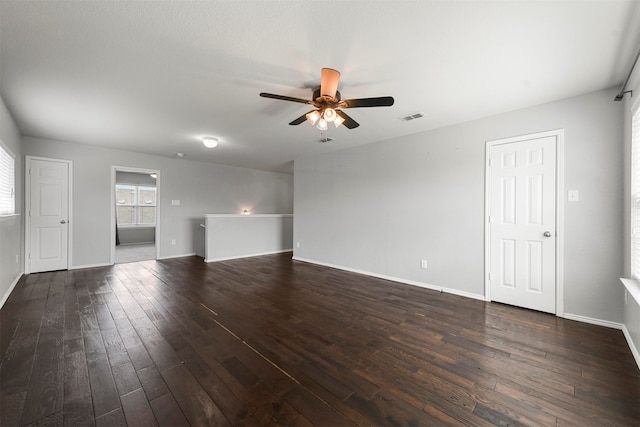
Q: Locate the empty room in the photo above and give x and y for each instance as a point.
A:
(320, 213)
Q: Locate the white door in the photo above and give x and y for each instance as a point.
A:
(48, 215)
(522, 223)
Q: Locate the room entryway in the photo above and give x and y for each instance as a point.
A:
(135, 217)
(48, 207)
(522, 221)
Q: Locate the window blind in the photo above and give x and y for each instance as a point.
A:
(635, 194)
(7, 182)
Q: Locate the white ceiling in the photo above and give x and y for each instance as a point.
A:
(156, 76)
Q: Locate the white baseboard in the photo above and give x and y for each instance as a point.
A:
(591, 320)
(248, 255)
(176, 256)
(632, 345)
(5, 297)
(396, 279)
(137, 244)
(78, 267)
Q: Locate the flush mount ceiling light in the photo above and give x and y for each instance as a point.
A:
(210, 142)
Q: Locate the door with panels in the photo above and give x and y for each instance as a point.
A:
(48, 214)
(522, 222)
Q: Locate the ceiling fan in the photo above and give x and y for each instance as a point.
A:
(327, 101)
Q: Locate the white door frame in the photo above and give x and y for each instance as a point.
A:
(27, 209)
(559, 134)
(115, 169)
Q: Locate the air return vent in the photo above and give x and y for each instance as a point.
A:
(412, 117)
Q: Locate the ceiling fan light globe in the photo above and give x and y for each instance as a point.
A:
(313, 117)
(338, 121)
(322, 124)
(329, 114)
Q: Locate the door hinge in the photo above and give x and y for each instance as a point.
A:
(489, 276)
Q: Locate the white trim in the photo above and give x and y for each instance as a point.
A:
(8, 217)
(27, 209)
(560, 200)
(176, 256)
(136, 243)
(632, 346)
(114, 169)
(559, 135)
(635, 104)
(78, 267)
(5, 297)
(248, 216)
(633, 287)
(10, 153)
(248, 256)
(591, 320)
(395, 279)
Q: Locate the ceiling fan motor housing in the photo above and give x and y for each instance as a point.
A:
(320, 99)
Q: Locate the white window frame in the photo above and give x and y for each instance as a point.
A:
(7, 182)
(635, 192)
(137, 205)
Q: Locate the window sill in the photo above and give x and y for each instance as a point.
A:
(137, 226)
(8, 217)
(633, 287)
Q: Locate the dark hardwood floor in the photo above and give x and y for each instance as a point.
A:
(271, 341)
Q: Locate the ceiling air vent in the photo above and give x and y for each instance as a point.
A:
(412, 117)
(325, 140)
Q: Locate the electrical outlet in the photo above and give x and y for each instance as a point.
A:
(17, 258)
(625, 297)
(298, 245)
(423, 264)
(173, 241)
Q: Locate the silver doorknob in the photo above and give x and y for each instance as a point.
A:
(63, 222)
(547, 234)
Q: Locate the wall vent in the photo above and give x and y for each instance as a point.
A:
(325, 140)
(412, 117)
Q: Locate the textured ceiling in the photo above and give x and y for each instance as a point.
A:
(155, 76)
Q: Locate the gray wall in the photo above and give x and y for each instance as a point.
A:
(201, 188)
(382, 207)
(11, 235)
(137, 235)
(240, 236)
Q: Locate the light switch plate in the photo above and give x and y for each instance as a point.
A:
(573, 195)
(175, 202)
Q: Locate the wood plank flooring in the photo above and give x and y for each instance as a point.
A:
(271, 341)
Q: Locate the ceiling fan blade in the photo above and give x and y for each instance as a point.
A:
(286, 98)
(329, 82)
(301, 119)
(348, 121)
(383, 101)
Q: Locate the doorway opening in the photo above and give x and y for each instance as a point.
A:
(135, 217)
